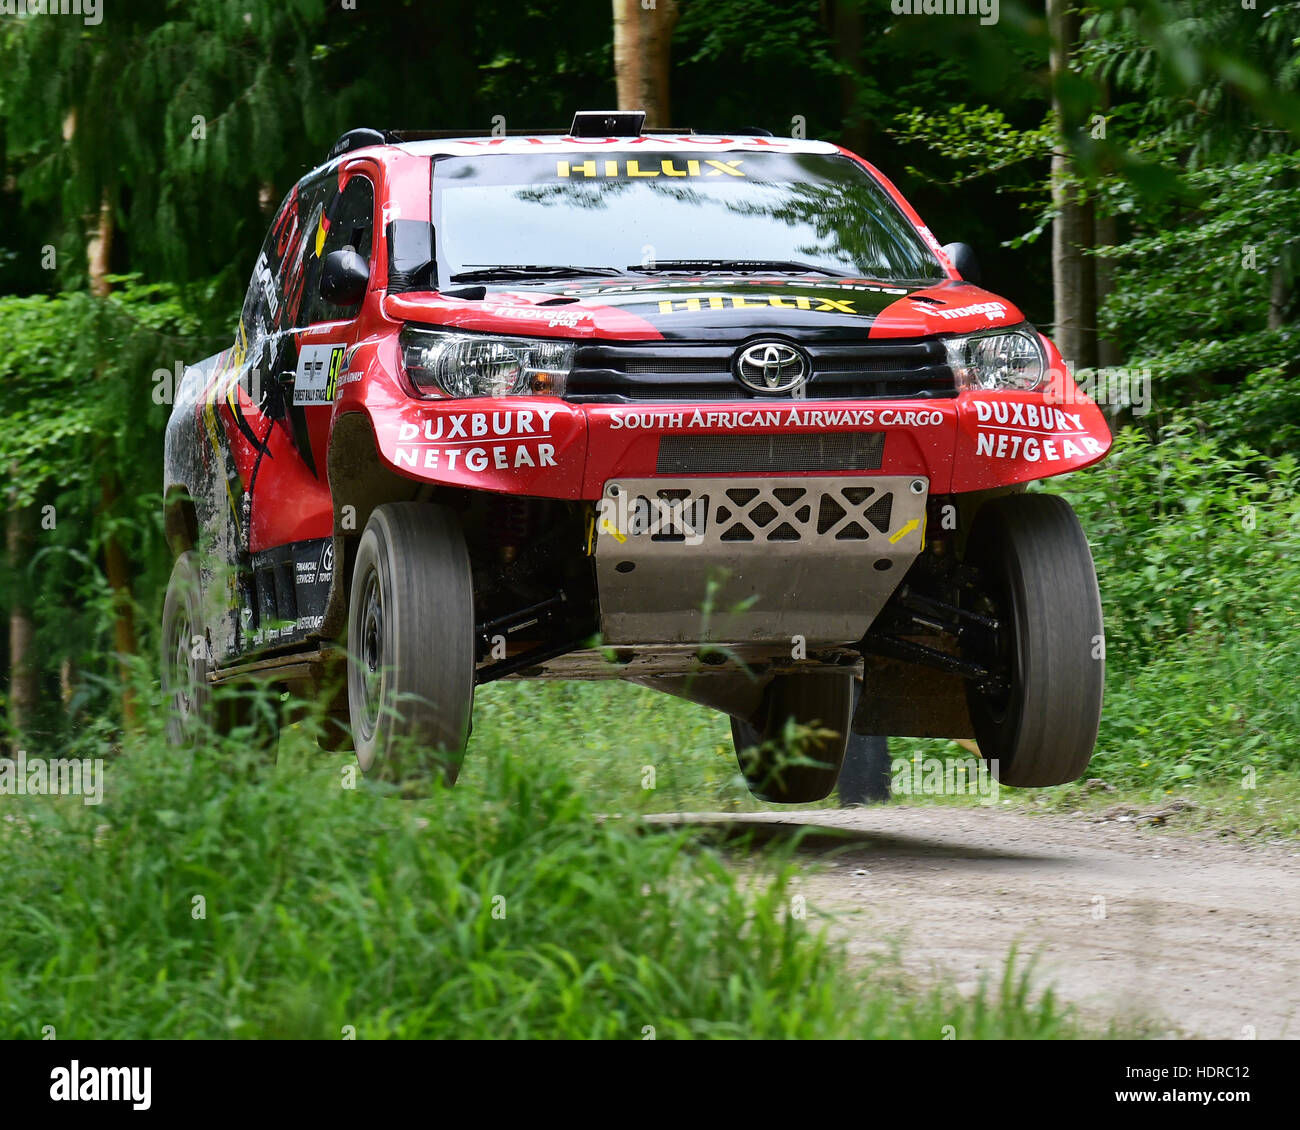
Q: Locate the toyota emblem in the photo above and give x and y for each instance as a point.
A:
(772, 366)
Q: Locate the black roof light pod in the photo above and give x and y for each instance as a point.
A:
(607, 123)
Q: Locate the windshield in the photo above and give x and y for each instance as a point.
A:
(540, 215)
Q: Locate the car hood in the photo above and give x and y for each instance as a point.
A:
(712, 308)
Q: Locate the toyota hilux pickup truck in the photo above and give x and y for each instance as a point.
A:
(713, 414)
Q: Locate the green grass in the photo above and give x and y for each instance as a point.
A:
(1268, 812)
(196, 902)
(630, 749)
(330, 909)
(1218, 722)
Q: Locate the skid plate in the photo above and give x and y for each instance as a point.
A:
(749, 560)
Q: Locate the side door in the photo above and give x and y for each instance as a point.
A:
(292, 515)
(346, 222)
(238, 410)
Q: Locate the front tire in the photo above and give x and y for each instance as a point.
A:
(411, 643)
(1037, 568)
(785, 775)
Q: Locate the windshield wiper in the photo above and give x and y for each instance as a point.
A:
(737, 266)
(486, 273)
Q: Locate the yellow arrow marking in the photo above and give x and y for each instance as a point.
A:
(896, 538)
(608, 527)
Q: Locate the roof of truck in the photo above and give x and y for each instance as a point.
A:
(652, 143)
(582, 138)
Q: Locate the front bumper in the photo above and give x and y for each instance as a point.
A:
(545, 447)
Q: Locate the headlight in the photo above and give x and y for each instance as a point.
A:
(1008, 360)
(475, 365)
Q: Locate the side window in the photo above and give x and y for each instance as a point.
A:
(264, 302)
(275, 293)
(348, 221)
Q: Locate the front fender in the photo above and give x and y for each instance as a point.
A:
(1014, 437)
(527, 445)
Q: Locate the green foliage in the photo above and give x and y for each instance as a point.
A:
(606, 733)
(174, 114)
(1194, 542)
(1205, 276)
(1215, 82)
(980, 140)
(85, 391)
(1197, 546)
(1205, 713)
(504, 910)
(192, 120)
(1198, 342)
(76, 387)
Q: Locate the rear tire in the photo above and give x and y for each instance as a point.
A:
(194, 711)
(1036, 565)
(411, 643)
(783, 775)
(865, 776)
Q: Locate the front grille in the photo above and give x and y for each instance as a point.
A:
(826, 451)
(639, 392)
(659, 365)
(637, 372)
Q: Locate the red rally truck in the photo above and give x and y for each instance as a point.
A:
(714, 414)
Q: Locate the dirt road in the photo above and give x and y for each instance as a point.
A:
(1197, 935)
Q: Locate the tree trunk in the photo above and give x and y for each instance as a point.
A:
(843, 19)
(1105, 229)
(99, 251)
(643, 31)
(116, 565)
(117, 568)
(1279, 296)
(67, 683)
(1074, 284)
(20, 537)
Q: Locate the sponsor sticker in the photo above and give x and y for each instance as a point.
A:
(603, 290)
(477, 441)
(732, 418)
(316, 571)
(993, 311)
(1032, 433)
(639, 167)
(568, 319)
(347, 377)
(741, 302)
(497, 457)
(318, 371)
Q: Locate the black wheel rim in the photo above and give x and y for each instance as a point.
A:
(999, 651)
(184, 673)
(370, 655)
